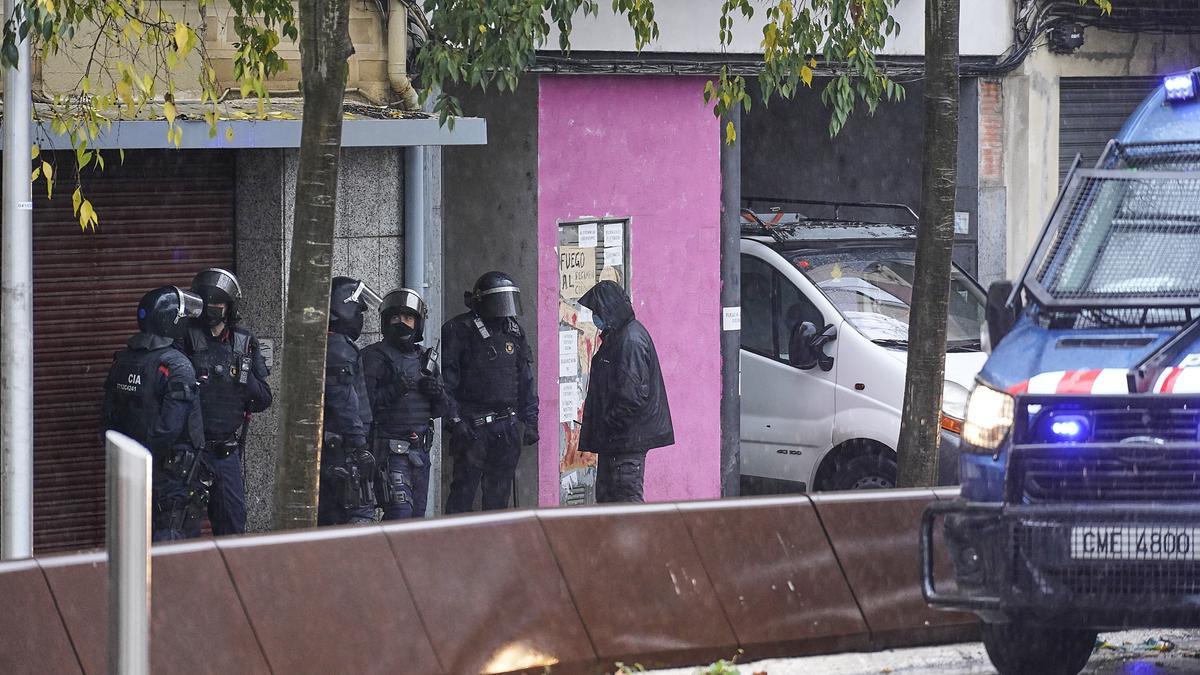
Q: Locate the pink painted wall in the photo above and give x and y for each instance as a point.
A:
(647, 148)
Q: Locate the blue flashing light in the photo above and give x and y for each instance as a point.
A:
(1180, 87)
(1066, 429)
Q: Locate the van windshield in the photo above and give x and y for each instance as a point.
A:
(872, 288)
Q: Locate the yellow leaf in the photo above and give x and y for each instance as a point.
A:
(87, 215)
(229, 134)
(169, 111)
(806, 74)
(76, 200)
(36, 172)
(36, 151)
(730, 132)
(181, 37)
(48, 171)
(812, 62)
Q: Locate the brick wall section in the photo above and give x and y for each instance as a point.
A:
(991, 133)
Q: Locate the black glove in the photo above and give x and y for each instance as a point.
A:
(530, 435)
(402, 385)
(462, 431)
(430, 387)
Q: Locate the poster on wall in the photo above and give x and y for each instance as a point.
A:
(589, 251)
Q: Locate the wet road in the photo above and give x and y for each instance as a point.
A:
(1142, 652)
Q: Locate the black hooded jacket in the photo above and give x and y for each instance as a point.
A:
(626, 408)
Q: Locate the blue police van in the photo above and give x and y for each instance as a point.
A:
(1080, 474)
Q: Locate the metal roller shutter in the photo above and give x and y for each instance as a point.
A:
(164, 215)
(1092, 111)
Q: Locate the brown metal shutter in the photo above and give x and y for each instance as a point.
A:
(164, 215)
(1091, 110)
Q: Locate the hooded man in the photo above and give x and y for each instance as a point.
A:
(625, 414)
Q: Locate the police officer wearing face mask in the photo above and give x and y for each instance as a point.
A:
(348, 468)
(151, 396)
(233, 384)
(406, 396)
(488, 374)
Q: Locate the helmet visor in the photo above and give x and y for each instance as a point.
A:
(503, 301)
(217, 278)
(403, 299)
(191, 306)
(363, 294)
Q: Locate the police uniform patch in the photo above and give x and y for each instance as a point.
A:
(508, 347)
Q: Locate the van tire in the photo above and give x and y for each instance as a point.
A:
(866, 472)
(1019, 647)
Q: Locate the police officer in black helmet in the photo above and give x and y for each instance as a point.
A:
(406, 396)
(488, 375)
(151, 396)
(233, 384)
(347, 466)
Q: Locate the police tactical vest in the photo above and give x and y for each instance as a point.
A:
(491, 365)
(136, 402)
(222, 399)
(412, 411)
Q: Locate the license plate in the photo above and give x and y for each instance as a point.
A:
(1135, 543)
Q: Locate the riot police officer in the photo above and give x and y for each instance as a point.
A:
(151, 396)
(233, 384)
(348, 468)
(488, 375)
(406, 396)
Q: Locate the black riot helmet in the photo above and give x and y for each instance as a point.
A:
(398, 302)
(349, 299)
(218, 286)
(165, 311)
(496, 295)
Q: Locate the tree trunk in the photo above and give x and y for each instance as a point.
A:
(324, 48)
(920, 425)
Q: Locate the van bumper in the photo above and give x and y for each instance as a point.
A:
(1042, 561)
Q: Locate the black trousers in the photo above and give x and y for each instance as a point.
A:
(488, 460)
(619, 477)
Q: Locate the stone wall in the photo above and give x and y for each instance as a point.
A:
(368, 245)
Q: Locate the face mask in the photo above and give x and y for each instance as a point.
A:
(214, 316)
(596, 319)
(400, 335)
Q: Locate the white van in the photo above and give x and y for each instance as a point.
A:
(825, 306)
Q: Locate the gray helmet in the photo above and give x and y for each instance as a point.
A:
(164, 311)
(496, 295)
(404, 300)
(218, 286)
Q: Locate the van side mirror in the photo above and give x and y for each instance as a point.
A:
(1000, 316)
(806, 346)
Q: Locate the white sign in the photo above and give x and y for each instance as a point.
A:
(568, 353)
(614, 256)
(568, 401)
(731, 318)
(585, 315)
(587, 235)
(962, 222)
(614, 234)
(576, 271)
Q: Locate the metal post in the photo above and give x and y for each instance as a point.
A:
(731, 301)
(414, 219)
(128, 525)
(16, 324)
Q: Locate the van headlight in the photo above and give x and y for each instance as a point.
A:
(988, 419)
(954, 402)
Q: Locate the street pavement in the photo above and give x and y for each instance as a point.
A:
(1140, 652)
